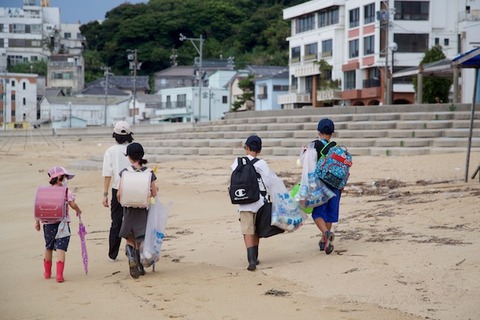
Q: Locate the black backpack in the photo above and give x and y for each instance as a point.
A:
(244, 182)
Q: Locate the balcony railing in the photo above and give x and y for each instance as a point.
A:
(371, 83)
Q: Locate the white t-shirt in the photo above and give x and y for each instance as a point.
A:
(262, 168)
(115, 161)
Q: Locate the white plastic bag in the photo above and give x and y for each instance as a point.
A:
(154, 233)
(63, 229)
(312, 192)
(286, 213)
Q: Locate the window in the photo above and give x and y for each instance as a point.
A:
(224, 99)
(353, 48)
(280, 88)
(24, 101)
(305, 23)
(369, 45)
(328, 17)
(12, 83)
(327, 48)
(36, 28)
(412, 10)
(349, 80)
(408, 42)
(62, 75)
(24, 85)
(181, 100)
(311, 51)
(437, 41)
(294, 82)
(295, 54)
(354, 17)
(18, 28)
(369, 13)
(67, 35)
(446, 42)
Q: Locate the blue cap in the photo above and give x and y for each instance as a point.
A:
(326, 126)
(254, 143)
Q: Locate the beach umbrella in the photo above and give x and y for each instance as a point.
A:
(82, 232)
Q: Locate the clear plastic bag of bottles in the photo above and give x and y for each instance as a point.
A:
(286, 213)
(312, 191)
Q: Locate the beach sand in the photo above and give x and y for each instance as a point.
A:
(407, 244)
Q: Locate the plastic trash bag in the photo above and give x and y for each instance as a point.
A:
(312, 192)
(286, 213)
(154, 233)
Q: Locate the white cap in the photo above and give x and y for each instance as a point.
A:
(122, 128)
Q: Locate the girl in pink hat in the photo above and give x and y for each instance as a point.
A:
(56, 239)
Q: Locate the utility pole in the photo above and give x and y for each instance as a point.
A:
(106, 72)
(134, 65)
(386, 25)
(200, 52)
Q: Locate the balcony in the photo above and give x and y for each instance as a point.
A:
(371, 83)
(294, 98)
(351, 94)
(328, 95)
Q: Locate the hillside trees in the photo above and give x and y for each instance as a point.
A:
(252, 31)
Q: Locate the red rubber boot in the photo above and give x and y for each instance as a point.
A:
(60, 266)
(47, 266)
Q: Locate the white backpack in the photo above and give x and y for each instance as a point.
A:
(135, 188)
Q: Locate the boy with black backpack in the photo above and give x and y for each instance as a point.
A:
(326, 214)
(248, 190)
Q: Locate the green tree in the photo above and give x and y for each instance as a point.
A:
(248, 87)
(434, 86)
(38, 67)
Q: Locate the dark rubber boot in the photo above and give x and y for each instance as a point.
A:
(132, 263)
(141, 270)
(252, 260)
(256, 255)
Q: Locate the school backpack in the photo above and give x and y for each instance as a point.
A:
(244, 182)
(135, 188)
(51, 204)
(333, 166)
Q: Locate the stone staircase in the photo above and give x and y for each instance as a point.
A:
(367, 130)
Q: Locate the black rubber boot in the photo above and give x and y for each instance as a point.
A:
(256, 255)
(252, 260)
(141, 270)
(132, 263)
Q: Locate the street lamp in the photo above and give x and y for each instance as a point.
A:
(106, 73)
(200, 52)
(393, 47)
(134, 65)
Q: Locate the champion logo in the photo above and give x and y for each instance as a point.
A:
(240, 193)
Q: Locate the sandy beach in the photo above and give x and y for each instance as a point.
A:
(407, 245)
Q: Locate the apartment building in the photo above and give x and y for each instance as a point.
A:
(369, 40)
(19, 99)
(33, 32)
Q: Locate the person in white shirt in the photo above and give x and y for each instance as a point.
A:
(248, 212)
(115, 161)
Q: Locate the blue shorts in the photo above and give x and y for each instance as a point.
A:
(49, 233)
(329, 211)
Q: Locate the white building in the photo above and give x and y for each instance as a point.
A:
(33, 32)
(18, 99)
(364, 39)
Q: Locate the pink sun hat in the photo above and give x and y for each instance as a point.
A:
(59, 171)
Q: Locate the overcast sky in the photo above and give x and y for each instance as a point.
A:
(72, 11)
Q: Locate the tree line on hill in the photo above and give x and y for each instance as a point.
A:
(251, 31)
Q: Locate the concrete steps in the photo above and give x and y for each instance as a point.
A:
(400, 133)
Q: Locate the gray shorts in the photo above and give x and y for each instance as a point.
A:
(134, 223)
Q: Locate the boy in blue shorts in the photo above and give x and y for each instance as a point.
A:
(326, 214)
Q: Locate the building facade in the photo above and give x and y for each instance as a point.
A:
(33, 32)
(364, 41)
(18, 99)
